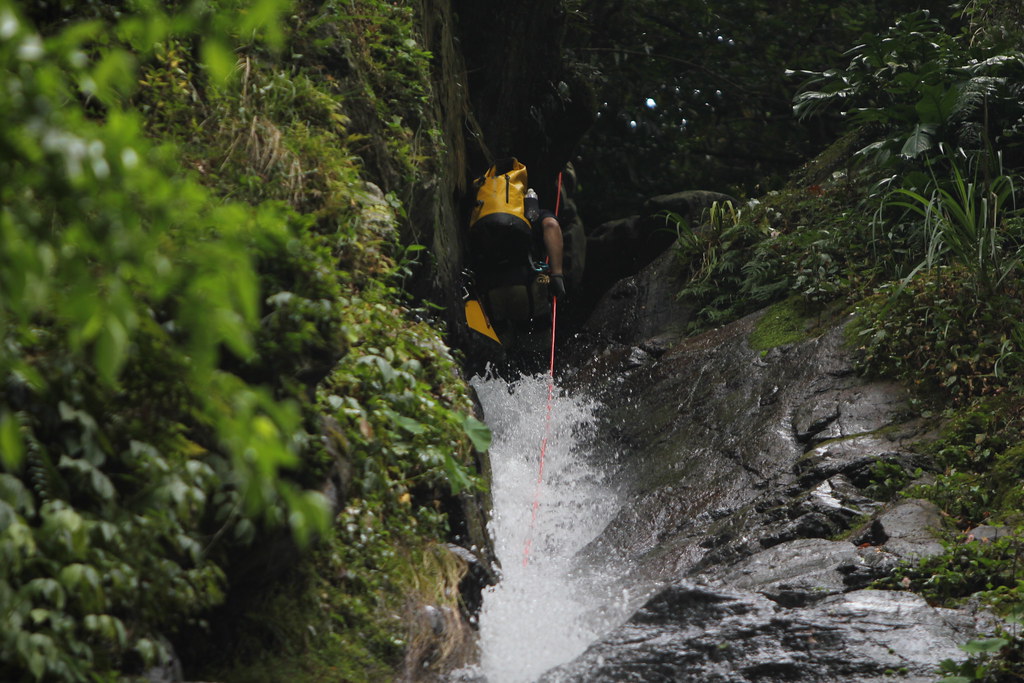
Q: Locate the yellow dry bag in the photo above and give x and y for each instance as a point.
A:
(500, 198)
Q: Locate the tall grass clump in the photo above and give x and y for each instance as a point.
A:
(967, 219)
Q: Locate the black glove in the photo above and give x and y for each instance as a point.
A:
(556, 286)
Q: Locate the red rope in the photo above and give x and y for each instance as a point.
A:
(544, 440)
(547, 420)
(558, 193)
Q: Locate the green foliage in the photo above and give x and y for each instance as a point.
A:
(383, 74)
(969, 223)
(991, 660)
(401, 437)
(923, 85)
(936, 333)
(386, 44)
(802, 242)
(978, 452)
(356, 612)
(126, 290)
(888, 479)
(923, 243)
(978, 456)
(725, 278)
(989, 569)
(953, 233)
(190, 249)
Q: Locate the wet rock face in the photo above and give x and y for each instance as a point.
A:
(714, 438)
(693, 633)
(723, 450)
(748, 478)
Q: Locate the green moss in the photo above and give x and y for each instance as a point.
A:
(781, 324)
(855, 527)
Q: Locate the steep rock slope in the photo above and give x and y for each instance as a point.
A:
(749, 519)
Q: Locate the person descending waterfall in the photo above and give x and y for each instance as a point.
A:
(516, 248)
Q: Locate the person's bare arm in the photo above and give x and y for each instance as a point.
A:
(553, 244)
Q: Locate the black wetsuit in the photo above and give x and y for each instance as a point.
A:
(503, 257)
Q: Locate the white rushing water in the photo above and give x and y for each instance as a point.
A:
(546, 611)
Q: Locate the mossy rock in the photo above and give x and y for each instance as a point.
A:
(782, 323)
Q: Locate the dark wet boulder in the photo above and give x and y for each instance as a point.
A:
(840, 411)
(691, 205)
(750, 474)
(621, 247)
(707, 444)
(638, 312)
(987, 533)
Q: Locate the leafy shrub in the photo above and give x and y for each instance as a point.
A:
(800, 242)
(125, 288)
(965, 569)
(888, 479)
(922, 85)
(936, 333)
(161, 341)
(989, 660)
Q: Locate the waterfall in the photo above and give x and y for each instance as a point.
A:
(546, 612)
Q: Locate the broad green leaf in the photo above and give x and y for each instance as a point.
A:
(219, 61)
(84, 582)
(244, 531)
(920, 140)
(102, 485)
(234, 332)
(111, 352)
(1016, 614)
(984, 645)
(36, 662)
(113, 79)
(47, 589)
(407, 423)
(106, 626)
(12, 450)
(478, 432)
(936, 103)
(7, 516)
(72, 575)
(147, 650)
(309, 514)
(458, 478)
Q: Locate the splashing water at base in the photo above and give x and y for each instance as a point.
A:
(546, 611)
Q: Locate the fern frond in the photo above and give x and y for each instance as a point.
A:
(972, 95)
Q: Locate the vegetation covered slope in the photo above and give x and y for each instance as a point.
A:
(210, 382)
(913, 222)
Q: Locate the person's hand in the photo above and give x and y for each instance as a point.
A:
(556, 286)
